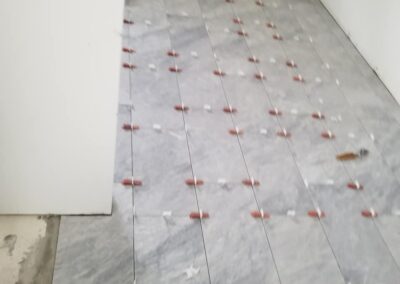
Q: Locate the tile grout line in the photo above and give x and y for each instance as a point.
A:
(188, 146)
(131, 108)
(364, 200)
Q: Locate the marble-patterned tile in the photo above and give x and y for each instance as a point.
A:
(97, 249)
(184, 8)
(233, 238)
(301, 250)
(359, 247)
(169, 250)
(214, 9)
(389, 226)
(161, 162)
(281, 188)
(217, 147)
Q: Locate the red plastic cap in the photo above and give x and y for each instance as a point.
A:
(181, 107)
(242, 33)
(277, 37)
(291, 63)
(259, 3)
(128, 66)
(229, 109)
(317, 115)
(130, 127)
(355, 186)
(199, 215)
(253, 59)
(271, 25)
(175, 69)
(316, 214)
(251, 182)
(219, 72)
(369, 213)
(260, 214)
(128, 22)
(237, 21)
(128, 50)
(260, 76)
(132, 181)
(275, 112)
(298, 78)
(283, 133)
(172, 53)
(235, 131)
(327, 135)
(194, 181)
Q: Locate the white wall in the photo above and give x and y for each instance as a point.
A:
(59, 76)
(374, 27)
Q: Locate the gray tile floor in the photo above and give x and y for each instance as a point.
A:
(151, 239)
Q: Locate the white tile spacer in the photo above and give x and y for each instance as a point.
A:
(148, 22)
(357, 184)
(241, 73)
(207, 108)
(294, 111)
(252, 181)
(184, 13)
(334, 118)
(194, 54)
(329, 182)
(206, 26)
(201, 214)
(339, 117)
(262, 213)
(152, 67)
(306, 183)
(221, 181)
(310, 39)
(263, 131)
(275, 5)
(327, 66)
(257, 22)
(296, 38)
(284, 131)
(351, 135)
(290, 7)
(372, 136)
(337, 82)
(318, 80)
(321, 101)
(291, 213)
(330, 135)
(157, 127)
(216, 57)
(272, 60)
(167, 214)
(227, 30)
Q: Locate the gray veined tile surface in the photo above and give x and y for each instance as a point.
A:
(169, 250)
(150, 237)
(97, 249)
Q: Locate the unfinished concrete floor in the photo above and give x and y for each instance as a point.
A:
(231, 114)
